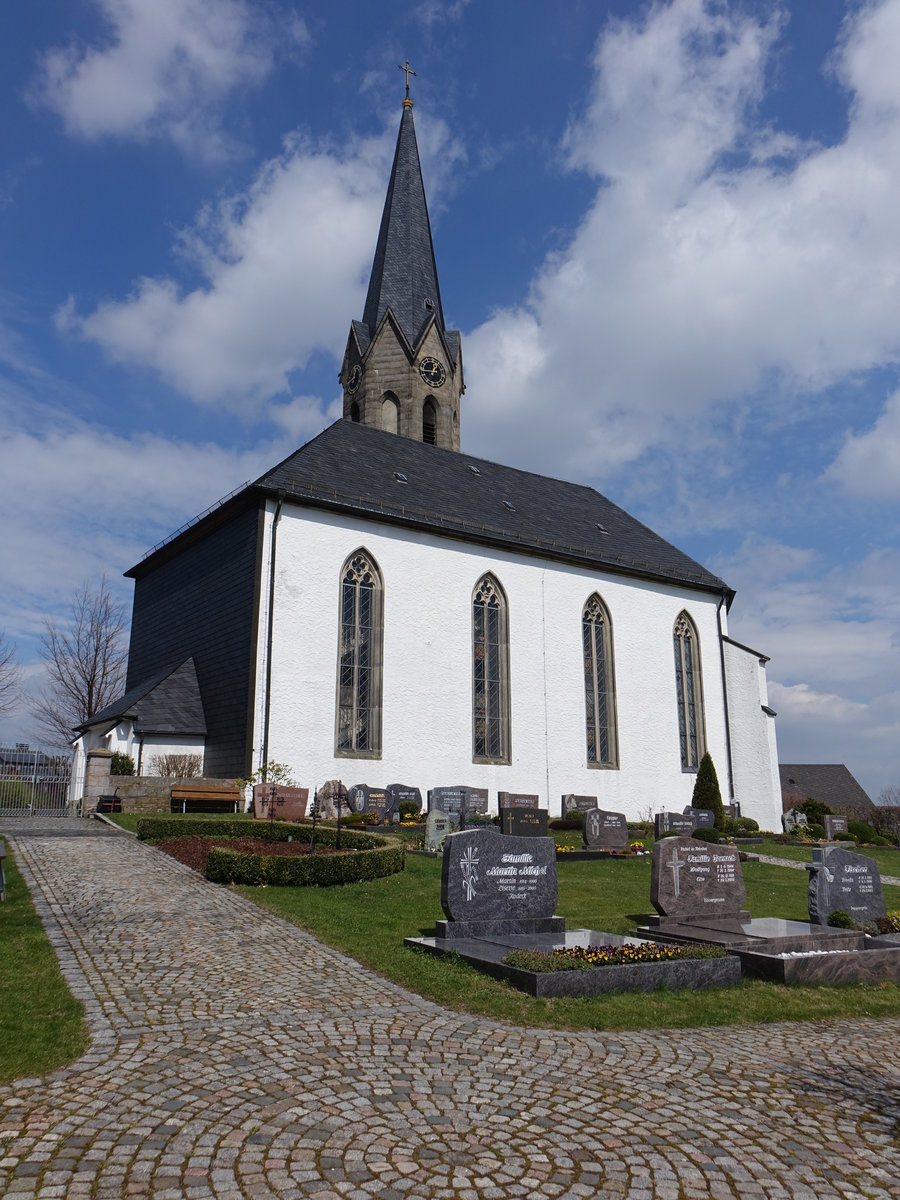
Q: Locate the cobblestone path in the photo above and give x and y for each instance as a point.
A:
(235, 1056)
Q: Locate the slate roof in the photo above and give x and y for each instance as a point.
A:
(829, 783)
(404, 271)
(354, 468)
(167, 702)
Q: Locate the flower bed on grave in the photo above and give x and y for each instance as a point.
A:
(278, 854)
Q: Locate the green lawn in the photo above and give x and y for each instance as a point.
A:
(369, 921)
(42, 1025)
(888, 859)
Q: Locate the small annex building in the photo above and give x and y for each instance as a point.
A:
(829, 783)
(381, 608)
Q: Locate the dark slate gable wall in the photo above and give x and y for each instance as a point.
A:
(202, 602)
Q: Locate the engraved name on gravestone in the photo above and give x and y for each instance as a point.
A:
(397, 793)
(362, 798)
(605, 830)
(524, 822)
(794, 819)
(437, 826)
(488, 877)
(703, 818)
(577, 804)
(458, 799)
(666, 822)
(517, 800)
(834, 827)
(694, 879)
(840, 879)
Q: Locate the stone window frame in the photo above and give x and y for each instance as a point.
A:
(389, 398)
(430, 403)
(488, 589)
(359, 567)
(689, 692)
(599, 684)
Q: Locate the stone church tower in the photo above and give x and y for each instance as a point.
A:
(402, 369)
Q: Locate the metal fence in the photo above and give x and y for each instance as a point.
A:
(34, 783)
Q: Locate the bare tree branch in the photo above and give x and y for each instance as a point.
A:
(890, 795)
(10, 676)
(85, 663)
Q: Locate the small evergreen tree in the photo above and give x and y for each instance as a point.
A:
(121, 764)
(706, 790)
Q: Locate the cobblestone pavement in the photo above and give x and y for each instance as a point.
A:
(235, 1056)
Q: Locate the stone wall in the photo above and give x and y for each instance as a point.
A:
(138, 793)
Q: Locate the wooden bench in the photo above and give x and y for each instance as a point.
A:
(197, 798)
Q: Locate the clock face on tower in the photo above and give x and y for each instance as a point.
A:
(353, 379)
(432, 371)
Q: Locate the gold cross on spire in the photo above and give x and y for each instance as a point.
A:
(407, 103)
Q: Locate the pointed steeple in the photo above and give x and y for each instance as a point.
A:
(404, 273)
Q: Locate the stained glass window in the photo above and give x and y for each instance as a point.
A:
(359, 657)
(689, 692)
(599, 685)
(490, 673)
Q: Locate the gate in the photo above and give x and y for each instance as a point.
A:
(34, 783)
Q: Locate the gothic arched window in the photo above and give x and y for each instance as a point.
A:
(390, 413)
(429, 422)
(599, 685)
(358, 718)
(490, 673)
(689, 690)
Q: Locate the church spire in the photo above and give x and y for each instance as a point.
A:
(402, 370)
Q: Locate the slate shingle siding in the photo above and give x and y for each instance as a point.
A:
(201, 602)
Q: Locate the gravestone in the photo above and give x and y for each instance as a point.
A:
(695, 879)
(794, 819)
(577, 804)
(437, 826)
(666, 822)
(488, 877)
(524, 822)
(517, 800)
(732, 810)
(840, 879)
(290, 802)
(605, 830)
(327, 796)
(703, 818)
(397, 793)
(834, 827)
(459, 799)
(364, 799)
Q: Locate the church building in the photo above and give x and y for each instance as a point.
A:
(382, 608)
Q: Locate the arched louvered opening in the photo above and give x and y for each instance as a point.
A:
(429, 422)
(390, 413)
(354, 412)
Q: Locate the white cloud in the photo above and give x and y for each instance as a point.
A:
(164, 69)
(718, 260)
(868, 465)
(284, 264)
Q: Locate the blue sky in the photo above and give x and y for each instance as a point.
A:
(668, 233)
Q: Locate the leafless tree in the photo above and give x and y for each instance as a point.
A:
(10, 676)
(890, 795)
(177, 766)
(85, 662)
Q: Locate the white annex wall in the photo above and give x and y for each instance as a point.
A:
(427, 698)
(757, 786)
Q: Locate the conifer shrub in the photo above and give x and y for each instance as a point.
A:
(841, 920)
(706, 835)
(707, 793)
(814, 831)
(862, 831)
(407, 809)
(815, 811)
(121, 764)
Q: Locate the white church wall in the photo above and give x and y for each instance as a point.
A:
(753, 748)
(156, 746)
(427, 676)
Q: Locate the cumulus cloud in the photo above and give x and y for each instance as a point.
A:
(868, 465)
(717, 260)
(164, 69)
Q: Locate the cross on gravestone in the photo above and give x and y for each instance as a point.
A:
(794, 819)
(604, 830)
(524, 822)
(486, 876)
(694, 879)
(840, 879)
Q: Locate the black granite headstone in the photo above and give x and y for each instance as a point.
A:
(695, 879)
(577, 804)
(397, 793)
(605, 830)
(517, 800)
(840, 879)
(703, 818)
(361, 798)
(732, 810)
(459, 799)
(524, 822)
(488, 877)
(834, 827)
(666, 822)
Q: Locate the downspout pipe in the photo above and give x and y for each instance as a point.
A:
(725, 697)
(270, 634)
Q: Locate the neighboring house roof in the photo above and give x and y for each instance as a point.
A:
(168, 702)
(356, 469)
(14, 757)
(404, 273)
(829, 783)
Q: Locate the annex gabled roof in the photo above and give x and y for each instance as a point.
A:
(362, 470)
(404, 273)
(829, 783)
(167, 702)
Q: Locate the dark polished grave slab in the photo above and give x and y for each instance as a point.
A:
(459, 799)
(603, 830)
(577, 804)
(834, 827)
(364, 799)
(840, 879)
(488, 877)
(517, 800)
(524, 822)
(397, 793)
(696, 879)
(703, 818)
(673, 823)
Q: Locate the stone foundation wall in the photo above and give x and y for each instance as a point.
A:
(138, 793)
